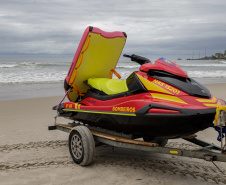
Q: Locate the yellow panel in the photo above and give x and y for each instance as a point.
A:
(173, 152)
(98, 60)
(167, 97)
(151, 86)
(213, 105)
(213, 100)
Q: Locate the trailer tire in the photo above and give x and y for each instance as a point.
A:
(81, 145)
(161, 142)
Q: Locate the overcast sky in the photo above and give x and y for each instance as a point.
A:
(155, 28)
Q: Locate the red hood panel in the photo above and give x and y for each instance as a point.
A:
(165, 65)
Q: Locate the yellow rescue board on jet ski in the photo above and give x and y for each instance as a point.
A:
(98, 58)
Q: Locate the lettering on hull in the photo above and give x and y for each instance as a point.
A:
(124, 109)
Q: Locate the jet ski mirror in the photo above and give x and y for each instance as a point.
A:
(138, 59)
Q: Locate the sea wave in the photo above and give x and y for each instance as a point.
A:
(207, 74)
(203, 65)
(223, 61)
(7, 65)
(127, 67)
(124, 75)
(28, 77)
(54, 64)
(33, 64)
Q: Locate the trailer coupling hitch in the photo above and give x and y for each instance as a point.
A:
(209, 158)
(212, 159)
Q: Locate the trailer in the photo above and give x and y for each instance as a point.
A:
(84, 138)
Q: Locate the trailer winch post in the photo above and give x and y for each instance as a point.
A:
(220, 126)
(223, 143)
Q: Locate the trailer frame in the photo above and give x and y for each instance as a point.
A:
(208, 151)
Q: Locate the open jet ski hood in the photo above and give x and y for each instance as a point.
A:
(96, 56)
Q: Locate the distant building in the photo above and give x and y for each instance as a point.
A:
(219, 55)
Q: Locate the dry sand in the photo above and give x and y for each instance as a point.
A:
(30, 154)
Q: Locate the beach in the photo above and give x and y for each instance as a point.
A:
(30, 154)
(162, 51)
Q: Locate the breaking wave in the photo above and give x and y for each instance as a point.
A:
(207, 74)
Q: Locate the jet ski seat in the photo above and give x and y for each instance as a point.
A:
(108, 86)
(107, 89)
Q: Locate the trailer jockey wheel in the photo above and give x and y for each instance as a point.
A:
(161, 142)
(81, 145)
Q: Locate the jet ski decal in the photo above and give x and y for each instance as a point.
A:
(124, 109)
(72, 105)
(213, 102)
(100, 112)
(152, 86)
(167, 98)
(159, 86)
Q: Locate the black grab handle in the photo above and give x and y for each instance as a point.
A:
(138, 59)
(125, 55)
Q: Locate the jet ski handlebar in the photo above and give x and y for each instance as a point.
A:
(138, 59)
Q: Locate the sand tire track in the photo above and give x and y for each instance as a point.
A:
(206, 173)
(178, 166)
(40, 144)
(59, 143)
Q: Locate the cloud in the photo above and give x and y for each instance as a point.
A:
(153, 27)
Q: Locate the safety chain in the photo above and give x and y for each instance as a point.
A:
(58, 106)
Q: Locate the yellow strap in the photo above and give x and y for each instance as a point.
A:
(78, 65)
(116, 74)
(77, 90)
(220, 108)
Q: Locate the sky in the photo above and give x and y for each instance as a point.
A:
(166, 28)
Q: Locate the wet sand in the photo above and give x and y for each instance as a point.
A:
(30, 154)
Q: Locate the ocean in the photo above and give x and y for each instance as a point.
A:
(31, 77)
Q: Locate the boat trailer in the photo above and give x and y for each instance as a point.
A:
(84, 138)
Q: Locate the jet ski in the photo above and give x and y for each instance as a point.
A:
(159, 101)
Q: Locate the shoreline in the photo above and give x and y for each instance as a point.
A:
(208, 85)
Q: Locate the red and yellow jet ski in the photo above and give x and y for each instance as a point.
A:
(159, 101)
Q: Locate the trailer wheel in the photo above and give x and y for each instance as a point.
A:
(81, 145)
(161, 142)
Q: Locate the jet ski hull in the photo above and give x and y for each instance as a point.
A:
(151, 125)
